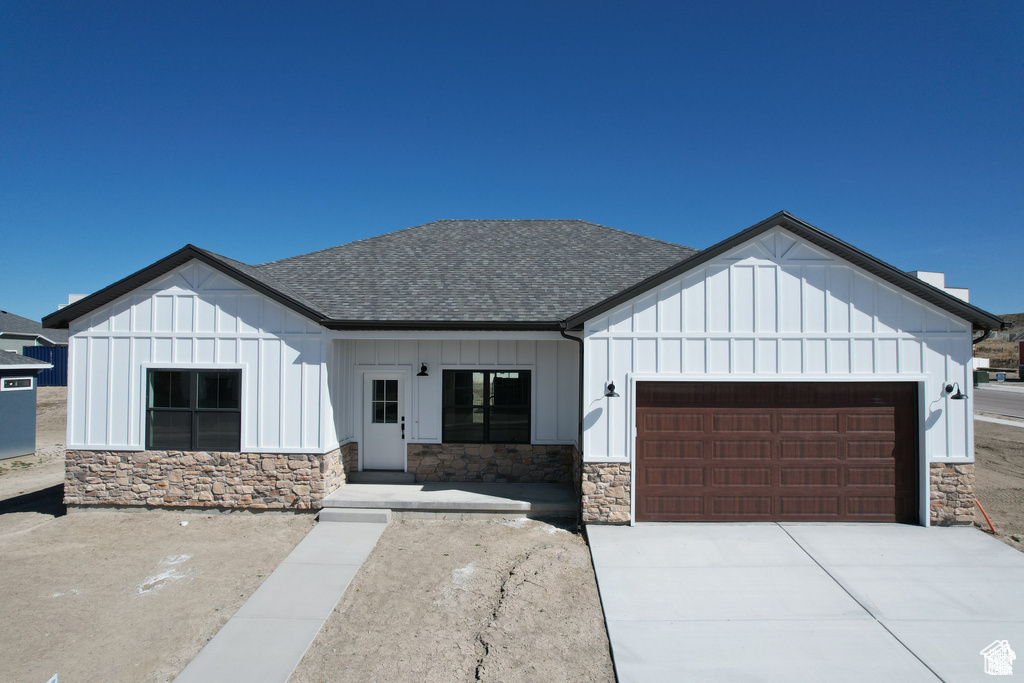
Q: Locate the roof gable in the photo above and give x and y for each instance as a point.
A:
(244, 273)
(977, 317)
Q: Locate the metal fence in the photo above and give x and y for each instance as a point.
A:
(57, 356)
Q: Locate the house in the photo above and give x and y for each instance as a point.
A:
(999, 657)
(780, 374)
(17, 332)
(18, 404)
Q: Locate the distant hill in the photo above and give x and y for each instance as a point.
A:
(1016, 321)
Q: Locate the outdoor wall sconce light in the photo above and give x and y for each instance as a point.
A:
(959, 395)
(423, 371)
(609, 390)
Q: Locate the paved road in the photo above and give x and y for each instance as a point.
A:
(999, 401)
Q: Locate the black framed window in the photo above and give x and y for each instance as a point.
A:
(486, 406)
(194, 410)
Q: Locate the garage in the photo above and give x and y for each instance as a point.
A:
(777, 451)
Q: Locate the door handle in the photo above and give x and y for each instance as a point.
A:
(403, 427)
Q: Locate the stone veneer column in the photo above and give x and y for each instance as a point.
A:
(951, 493)
(201, 479)
(606, 493)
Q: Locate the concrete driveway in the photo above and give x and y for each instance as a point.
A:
(785, 602)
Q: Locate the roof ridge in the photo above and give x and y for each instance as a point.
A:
(474, 220)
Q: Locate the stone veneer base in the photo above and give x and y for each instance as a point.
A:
(951, 494)
(204, 480)
(501, 463)
(605, 493)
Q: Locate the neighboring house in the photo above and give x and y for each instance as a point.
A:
(781, 374)
(17, 332)
(18, 404)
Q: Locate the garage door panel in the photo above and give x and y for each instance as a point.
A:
(670, 507)
(671, 476)
(777, 451)
(870, 506)
(741, 507)
(870, 450)
(732, 423)
(811, 449)
(808, 476)
(805, 423)
(738, 449)
(810, 507)
(655, 423)
(882, 422)
(741, 476)
(679, 450)
(871, 476)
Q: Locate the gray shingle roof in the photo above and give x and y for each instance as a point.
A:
(9, 359)
(501, 271)
(15, 324)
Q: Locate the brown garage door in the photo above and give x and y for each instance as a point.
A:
(788, 451)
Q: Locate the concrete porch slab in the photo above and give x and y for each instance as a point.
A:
(524, 499)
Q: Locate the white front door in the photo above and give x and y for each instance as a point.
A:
(383, 446)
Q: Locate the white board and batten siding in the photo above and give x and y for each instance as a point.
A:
(197, 317)
(777, 308)
(553, 364)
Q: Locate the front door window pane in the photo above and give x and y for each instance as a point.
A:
(385, 401)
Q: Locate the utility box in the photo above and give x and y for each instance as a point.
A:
(980, 377)
(18, 404)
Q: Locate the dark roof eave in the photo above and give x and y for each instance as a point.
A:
(979, 318)
(60, 319)
(537, 326)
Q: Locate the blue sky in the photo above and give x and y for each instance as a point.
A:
(265, 130)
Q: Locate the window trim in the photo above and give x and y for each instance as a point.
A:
(529, 370)
(193, 370)
(19, 378)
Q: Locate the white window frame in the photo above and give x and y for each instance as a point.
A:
(30, 387)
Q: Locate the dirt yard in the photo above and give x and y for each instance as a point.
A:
(133, 596)
(127, 596)
(440, 601)
(999, 456)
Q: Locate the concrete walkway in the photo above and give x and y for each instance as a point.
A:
(785, 602)
(266, 639)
